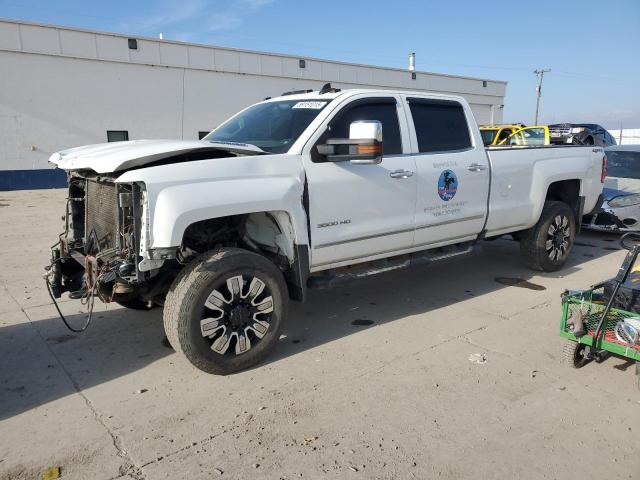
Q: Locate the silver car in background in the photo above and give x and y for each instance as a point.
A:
(620, 210)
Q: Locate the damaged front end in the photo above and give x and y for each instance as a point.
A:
(99, 253)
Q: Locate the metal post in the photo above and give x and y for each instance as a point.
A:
(540, 74)
(620, 140)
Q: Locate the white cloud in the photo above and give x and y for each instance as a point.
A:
(207, 16)
(233, 16)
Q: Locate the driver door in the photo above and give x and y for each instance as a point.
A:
(361, 211)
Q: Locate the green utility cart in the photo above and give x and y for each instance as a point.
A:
(592, 326)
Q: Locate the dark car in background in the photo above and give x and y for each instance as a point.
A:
(620, 210)
(580, 134)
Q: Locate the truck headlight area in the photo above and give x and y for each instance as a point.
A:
(104, 238)
(624, 200)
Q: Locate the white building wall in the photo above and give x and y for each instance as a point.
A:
(63, 87)
(626, 136)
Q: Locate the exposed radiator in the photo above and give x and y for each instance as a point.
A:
(101, 216)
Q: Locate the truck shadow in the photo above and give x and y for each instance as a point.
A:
(121, 341)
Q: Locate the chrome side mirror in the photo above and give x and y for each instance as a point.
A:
(364, 145)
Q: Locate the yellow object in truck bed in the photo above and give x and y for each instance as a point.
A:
(494, 134)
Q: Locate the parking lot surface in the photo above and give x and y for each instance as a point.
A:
(450, 371)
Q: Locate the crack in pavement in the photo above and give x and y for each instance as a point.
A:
(198, 443)
(381, 367)
(128, 468)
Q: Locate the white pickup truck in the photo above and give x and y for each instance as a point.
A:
(288, 192)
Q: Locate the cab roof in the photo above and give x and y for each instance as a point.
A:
(335, 93)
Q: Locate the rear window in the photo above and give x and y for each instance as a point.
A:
(441, 125)
(623, 164)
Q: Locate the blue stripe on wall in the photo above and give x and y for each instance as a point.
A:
(32, 179)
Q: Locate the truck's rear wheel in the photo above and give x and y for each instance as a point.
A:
(546, 246)
(225, 311)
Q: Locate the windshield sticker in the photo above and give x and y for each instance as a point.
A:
(447, 185)
(310, 105)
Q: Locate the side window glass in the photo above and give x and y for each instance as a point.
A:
(383, 111)
(514, 139)
(504, 133)
(440, 125)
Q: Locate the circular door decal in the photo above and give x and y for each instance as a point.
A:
(447, 185)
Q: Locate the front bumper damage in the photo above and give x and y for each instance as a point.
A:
(99, 250)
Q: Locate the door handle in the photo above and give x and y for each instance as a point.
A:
(476, 167)
(401, 174)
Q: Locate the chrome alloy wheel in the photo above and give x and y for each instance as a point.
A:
(558, 236)
(240, 315)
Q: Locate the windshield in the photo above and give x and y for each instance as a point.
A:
(488, 136)
(623, 164)
(271, 126)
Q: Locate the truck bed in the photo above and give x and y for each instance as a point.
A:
(520, 177)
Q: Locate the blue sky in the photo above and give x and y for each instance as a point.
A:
(592, 47)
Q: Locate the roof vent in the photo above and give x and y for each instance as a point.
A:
(412, 61)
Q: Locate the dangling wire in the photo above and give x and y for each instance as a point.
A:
(87, 299)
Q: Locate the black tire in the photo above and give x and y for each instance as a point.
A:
(534, 246)
(235, 326)
(573, 354)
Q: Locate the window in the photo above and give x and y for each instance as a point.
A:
(440, 125)
(117, 135)
(271, 126)
(623, 164)
(202, 134)
(504, 133)
(488, 136)
(384, 110)
(528, 136)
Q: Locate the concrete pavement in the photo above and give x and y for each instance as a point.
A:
(394, 395)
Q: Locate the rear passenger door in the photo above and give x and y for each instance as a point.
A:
(453, 173)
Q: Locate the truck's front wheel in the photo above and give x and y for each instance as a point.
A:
(546, 246)
(225, 311)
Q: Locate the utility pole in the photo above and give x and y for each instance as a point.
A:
(540, 74)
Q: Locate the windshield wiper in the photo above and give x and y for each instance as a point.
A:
(241, 144)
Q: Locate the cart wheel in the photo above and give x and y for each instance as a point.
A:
(574, 354)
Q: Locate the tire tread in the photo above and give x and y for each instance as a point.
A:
(185, 290)
(529, 249)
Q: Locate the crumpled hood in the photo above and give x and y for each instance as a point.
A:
(118, 156)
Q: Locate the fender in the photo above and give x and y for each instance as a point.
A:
(585, 170)
(181, 194)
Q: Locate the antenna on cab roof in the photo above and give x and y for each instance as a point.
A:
(327, 88)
